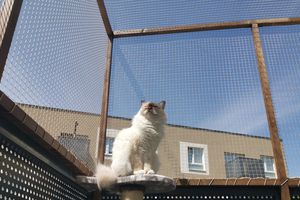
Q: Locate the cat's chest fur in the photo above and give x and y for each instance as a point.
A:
(147, 138)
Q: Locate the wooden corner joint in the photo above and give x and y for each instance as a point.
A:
(248, 183)
(199, 182)
(284, 181)
(254, 25)
(226, 182)
(234, 183)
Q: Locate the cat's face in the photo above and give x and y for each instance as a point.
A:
(153, 110)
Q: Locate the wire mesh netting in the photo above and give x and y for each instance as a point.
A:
(281, 49)
(217, 126)
(55, 70)
(155, 13)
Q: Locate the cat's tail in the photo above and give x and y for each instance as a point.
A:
(105, 176)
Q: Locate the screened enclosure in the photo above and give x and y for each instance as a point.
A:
(228, 71)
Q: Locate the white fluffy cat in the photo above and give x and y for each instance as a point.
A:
(134, 148)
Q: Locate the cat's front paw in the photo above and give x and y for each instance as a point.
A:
(139, 172)
(150, 172)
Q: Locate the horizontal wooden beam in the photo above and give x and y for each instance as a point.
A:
(293, 182)
(205, 27)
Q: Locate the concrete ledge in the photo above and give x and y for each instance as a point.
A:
(149, 183)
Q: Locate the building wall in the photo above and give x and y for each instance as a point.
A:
(56, 121)
(217, 143)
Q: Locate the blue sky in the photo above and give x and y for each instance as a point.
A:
(209, 79)
(57, 56)
(132, 14)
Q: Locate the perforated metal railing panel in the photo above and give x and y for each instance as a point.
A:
(230, 193)
(22, 176)
(295, 193)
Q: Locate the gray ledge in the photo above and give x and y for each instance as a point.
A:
(149, 183)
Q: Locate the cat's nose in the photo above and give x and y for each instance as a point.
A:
(149, 106)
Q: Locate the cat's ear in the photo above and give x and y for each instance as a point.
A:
(142, 101)
(162, 104)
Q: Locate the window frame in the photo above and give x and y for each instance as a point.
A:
(265, 166)
(237, 155)
(193, 159)
(110, 133)
(184, 160)
(107, 147)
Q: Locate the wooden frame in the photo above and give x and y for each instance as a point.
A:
(294, 182)
(105, 102)
(206, 27)
(105, 19)
(282, 179)
(275, 140)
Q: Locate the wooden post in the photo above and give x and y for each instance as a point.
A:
(105, 95)
(276, 143)
(96, 195)
(105, 102)
(8, 22)
(132, 195)
(105, 19)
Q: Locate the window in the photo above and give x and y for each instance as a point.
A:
(229, 157)
(108, 146)
(193, 158)
(196, 159)
(269, 166)
(110, 136)
(232, 156)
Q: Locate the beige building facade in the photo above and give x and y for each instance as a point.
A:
(184, 152)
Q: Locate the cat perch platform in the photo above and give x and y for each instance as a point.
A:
(135, 186)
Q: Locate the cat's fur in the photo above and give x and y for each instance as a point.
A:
(134, 148)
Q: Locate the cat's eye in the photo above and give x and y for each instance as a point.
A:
(153, 105)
